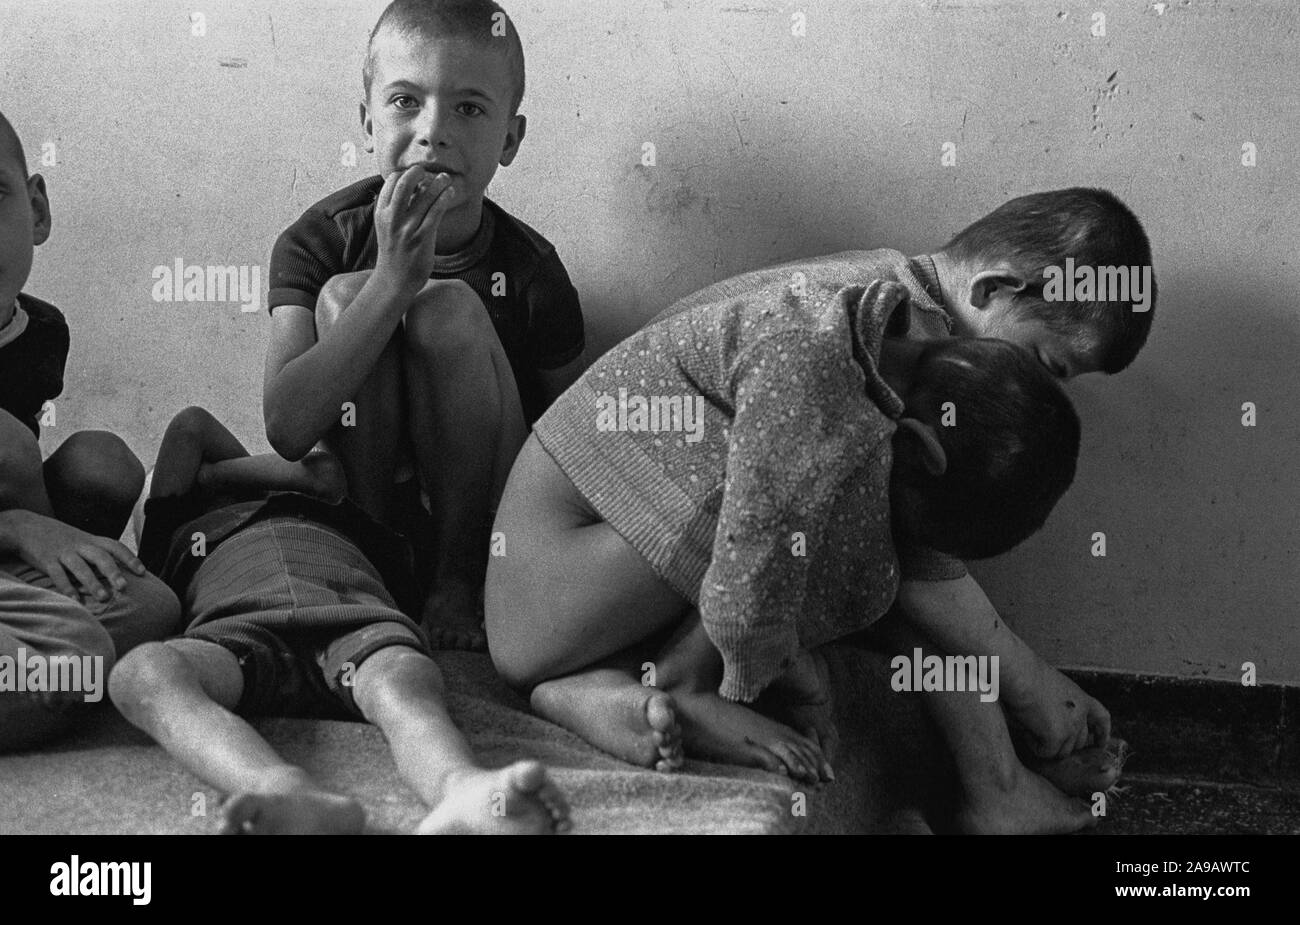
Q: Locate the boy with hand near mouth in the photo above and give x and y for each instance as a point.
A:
(417, 327)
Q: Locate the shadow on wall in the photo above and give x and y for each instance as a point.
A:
(1198, 510)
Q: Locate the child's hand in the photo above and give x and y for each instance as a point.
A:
(407, 214)
(1058, 716)
(69, 555)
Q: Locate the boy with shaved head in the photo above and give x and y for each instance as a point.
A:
(418, 329)
(67, 587)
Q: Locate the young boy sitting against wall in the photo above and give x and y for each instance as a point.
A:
(418, 328)
(294, 603)
(67, 587)
(1002, 277)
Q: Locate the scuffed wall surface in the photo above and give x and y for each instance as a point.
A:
(768, 146)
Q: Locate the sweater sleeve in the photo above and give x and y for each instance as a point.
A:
(797, 434)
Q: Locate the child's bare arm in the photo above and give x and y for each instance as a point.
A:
(307, 380)
(959, 617)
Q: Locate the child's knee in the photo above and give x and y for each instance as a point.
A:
(448, 323)
(395, 675)
(20, 457)
(143, 674)
(192, 422)
(144, 611)
(337, 294)
(95, 464)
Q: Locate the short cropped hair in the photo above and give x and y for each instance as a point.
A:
(11, 146)
(471, 19)
(1011, 437)
(1042, 230)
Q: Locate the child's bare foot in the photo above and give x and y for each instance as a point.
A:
(325, 476)
(302, 810)
(617, 714)
(801, 699)
(729, 732)
(515, 800)
(1024, 805)
(1085, 772)
(453, 616)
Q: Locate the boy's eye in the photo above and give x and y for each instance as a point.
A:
(404, 102)
(471, 109)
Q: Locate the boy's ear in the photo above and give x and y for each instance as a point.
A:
(985, 285)
(367, 126)
(515, 132)
(923, 440)
(40, 200)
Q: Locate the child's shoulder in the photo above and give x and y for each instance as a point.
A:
(41, 313)
(344, 206)
(42, 337)
(516, 238)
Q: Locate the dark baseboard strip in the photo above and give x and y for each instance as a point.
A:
(1197, 728)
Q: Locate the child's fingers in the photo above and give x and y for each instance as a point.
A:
(813, 759)
(386, 191)
(122, 554)
(105, 565)
(76, 566)
(823, 750)
(1081, 737)
(439, 196)
(797, 757)
(405, 188)
(54, 570)
(1099, 724)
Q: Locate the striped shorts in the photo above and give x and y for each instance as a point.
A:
(301, 608)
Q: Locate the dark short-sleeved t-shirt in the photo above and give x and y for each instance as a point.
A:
(513, 269)
(32, 364)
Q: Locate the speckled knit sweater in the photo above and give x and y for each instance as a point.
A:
(770, 511)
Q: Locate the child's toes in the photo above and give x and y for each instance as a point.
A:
(239, 814)
(526, 777)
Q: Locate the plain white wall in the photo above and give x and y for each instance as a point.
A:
(769, 146)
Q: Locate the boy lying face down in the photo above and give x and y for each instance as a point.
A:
(286, 595)
(826, 436)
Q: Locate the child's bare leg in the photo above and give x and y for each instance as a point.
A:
(22, 477)
(198, 450)
(998, 793)
(181, 693)
(466, 426)
(93, 480)
(368, 441)
(401, 691)
(690, 668)
(569, 591)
